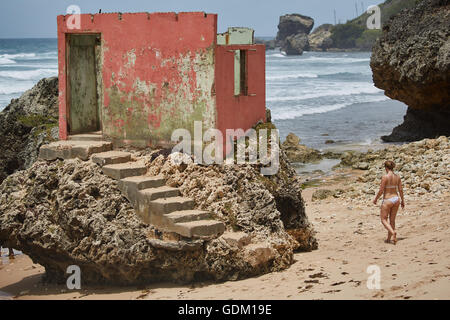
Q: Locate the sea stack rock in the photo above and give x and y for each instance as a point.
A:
(293, 31)
(411, 62)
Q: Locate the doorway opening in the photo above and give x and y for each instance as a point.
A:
(84, 83)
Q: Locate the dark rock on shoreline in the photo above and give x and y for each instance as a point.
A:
(27, 123)
(411, 62)
(420, 124)
(296, 44)
(297, 152)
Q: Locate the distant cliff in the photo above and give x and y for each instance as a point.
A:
(294, 31)
(354, 35)
(411, 62)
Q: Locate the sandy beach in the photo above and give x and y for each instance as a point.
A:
(350, 237)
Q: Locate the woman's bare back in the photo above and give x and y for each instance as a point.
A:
(392, 185)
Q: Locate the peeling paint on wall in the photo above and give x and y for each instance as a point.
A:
(150, 112)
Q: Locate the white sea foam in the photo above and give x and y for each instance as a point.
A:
(15, 88)
(292, 113)
(288, 113)
(292, 76)
(336, 59)
(18, 55)
(328, 92)
(308, 58)
(29, 74)
(277, 55)
(6, 61)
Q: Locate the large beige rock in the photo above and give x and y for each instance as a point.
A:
(297, 152)
(320, 39)
(258, 254)
(79, 216)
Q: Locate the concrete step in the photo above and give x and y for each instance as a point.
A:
(204, 229)
(169, 205)
(68, 149)
(148, 195)
(125, 170)
(132, 185)
(111, 157)
(92, 136)
(187, 216)
(144, 182)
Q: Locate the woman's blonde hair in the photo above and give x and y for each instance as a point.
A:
(389, 165)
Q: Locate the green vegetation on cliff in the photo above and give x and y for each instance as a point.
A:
(354, 33)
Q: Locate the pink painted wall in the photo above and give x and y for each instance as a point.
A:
(240, 112)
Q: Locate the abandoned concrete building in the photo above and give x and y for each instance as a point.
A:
(133, 79)
(136, 77)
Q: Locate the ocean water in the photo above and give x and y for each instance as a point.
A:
(318, 96)
(23, 62)
(323, 96)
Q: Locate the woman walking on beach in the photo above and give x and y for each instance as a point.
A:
(391, 188)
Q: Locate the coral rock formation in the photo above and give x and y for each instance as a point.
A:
(26, 124)
(63, 213)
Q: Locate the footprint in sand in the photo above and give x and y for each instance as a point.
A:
(332, 291)
(318, 275)
(379, 294)
(396, 288)
(311, 281)
(356, 282)
(309, 286)
(337, 283)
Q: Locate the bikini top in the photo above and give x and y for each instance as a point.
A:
(391, 187)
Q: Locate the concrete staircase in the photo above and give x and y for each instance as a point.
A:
(154, 202)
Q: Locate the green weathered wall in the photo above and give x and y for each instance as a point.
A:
(240, 36)
(236, 35)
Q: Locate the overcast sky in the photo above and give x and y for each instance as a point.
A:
(37, 18)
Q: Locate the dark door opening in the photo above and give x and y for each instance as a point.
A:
(83, 79)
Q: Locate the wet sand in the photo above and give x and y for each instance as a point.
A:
(351, 239)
